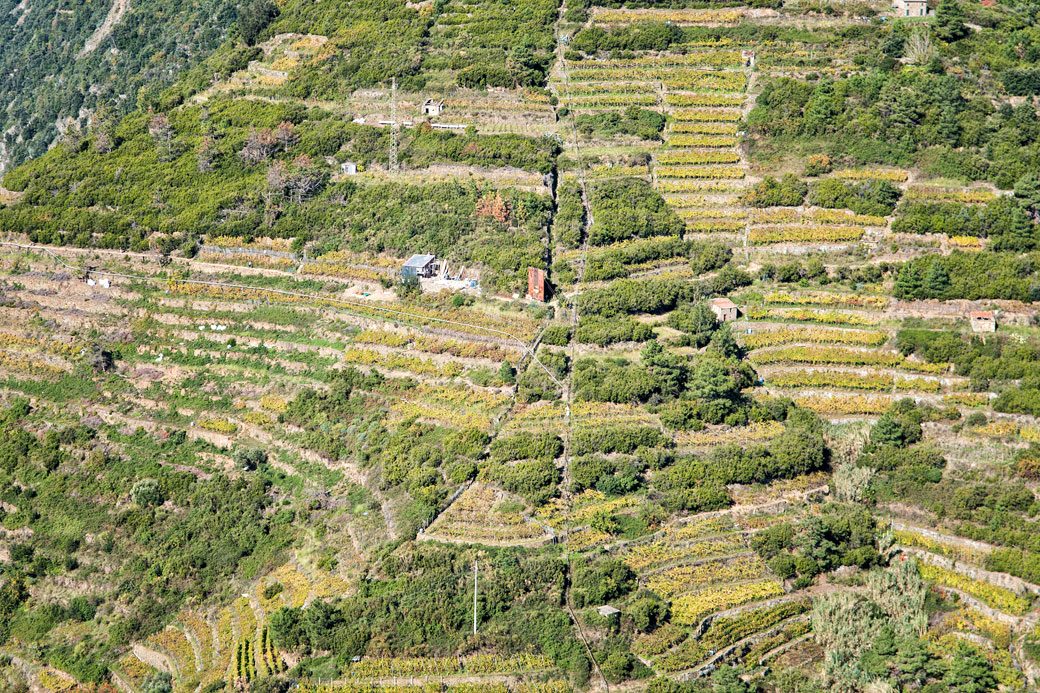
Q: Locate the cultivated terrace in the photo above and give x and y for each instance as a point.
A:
(775, 427)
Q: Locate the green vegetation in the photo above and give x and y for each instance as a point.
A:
(629, 208)
(398, 604)
(178, 535)
(787, 192)
(275, 180)
(639, 122)
(877, 198)
(44, 77)
(237, 443)
(926, 118)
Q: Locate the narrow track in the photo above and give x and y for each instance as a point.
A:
(568, 389)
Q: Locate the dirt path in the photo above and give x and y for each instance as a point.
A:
(776, 652)
(119, 8)
(196, 647)
(419, 680)
(978, 606)
(155, 659)
(737, 649)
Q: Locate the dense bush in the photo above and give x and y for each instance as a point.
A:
(706, 256)
(44, 78)
(695, 319)
(899, 118)
(569, 222)
(899, 427)
(626, 208)
(91, 199)
(556, 335)
(876, 197)
(520, 592)
(934, 346)
(534, 480)
(609, 475)
(789, 191)
(640, 122)
(1014, 562)
(602, 582)
(663, 35)
(526, 446)
(606, 331)
(615, 380)
(612, 263)
(207, 532)
(970, 275)
(636, 296)
(1022, 82)
(1004, 221)
(796, 452)
(623, 439)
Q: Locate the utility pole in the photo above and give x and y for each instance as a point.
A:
(393, 127)
(474, 596)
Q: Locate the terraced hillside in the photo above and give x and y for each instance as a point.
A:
(774, 428)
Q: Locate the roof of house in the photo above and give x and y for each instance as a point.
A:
(608, 610)
(981, 315)
(419, 261)
(723, 303)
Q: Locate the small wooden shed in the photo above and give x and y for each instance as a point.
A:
(419, 266)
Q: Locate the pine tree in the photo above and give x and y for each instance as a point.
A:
(886, 431)
(969, 672)
(1020, 234)
(1027, 191)
(724, 341)
(937, 280)
(102, 128)
(911, 660)
(908, 282)
(885, 642)
(949, 22)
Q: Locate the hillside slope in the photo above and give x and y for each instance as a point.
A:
(48, 77)
(774, 428)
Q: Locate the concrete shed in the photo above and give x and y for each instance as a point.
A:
(725, 310)
(983, 321)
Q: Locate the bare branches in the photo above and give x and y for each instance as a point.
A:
(205, 152)
(259, 147)
(264, 143)
(162, 134)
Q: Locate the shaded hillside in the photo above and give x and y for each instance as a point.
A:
(43, 80)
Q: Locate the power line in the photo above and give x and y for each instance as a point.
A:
(568, 391)
(394, 127)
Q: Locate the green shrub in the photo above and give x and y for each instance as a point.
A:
(787, 192)
(556, 335)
